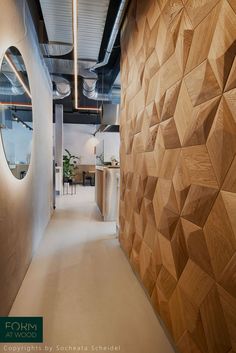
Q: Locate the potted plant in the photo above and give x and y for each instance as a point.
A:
(100, 158)
(69, 165)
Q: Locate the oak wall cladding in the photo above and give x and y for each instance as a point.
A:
(178, 158)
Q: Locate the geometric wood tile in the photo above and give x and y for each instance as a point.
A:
(169, 163)
(181, 182)
(200, 48)
(166, 283)
(153, 14)
(197, 246)
(230, 180)
(167, 256)
(198, 204)
(223, 46)
(164, 198)
(179, 249)
(231, 101)
(201, 123)
(197, 11)
(152, 114)
(228, 303)
(187, 345)
(169, 11)
(178, 165)
(220, 239)
(164, 310)
(229, 199)
(221, 142)
(183, 40)
(170, 101)
(231, 82)
(183, 112)
(232, 4)
(177, 315)
(168, 223)
(228, 277)
(199, 166)
(170, 134)
(193, 323)
(214, 324)
(205, 84)
(195, 283)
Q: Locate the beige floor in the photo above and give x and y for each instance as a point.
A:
(81, 283)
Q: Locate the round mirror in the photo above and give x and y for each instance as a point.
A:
(16, 123)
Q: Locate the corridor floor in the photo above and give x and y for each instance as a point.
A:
(81, 283)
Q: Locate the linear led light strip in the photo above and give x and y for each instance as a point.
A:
(16, 104)
(10, 63)
(75, 42)
(90, 109)
(28, 105)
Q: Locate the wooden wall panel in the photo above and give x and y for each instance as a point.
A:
(178, 165)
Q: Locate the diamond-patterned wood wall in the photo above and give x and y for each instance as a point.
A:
(178, 165)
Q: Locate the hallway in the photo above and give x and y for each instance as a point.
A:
(81, 283)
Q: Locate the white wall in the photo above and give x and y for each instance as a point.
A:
(111, 144)
(25, 205)
(79, 140)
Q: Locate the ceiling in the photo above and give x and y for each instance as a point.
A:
(92, 16)
(96, 18)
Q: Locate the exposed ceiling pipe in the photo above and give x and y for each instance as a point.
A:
(90, 91)
(89, 84)
(62, 89)
(115, 30)
(12, 87)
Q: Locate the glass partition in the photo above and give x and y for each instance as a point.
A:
(16, 123)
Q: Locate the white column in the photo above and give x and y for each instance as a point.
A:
(59, 148)
(59, 135)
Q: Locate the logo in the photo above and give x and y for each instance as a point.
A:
(21, 329)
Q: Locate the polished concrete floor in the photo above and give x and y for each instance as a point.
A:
(81, 283)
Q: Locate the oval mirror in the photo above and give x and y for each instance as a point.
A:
(16, 122)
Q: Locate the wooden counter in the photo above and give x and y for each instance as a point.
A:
(106, 191)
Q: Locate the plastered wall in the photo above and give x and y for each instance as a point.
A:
(178, 165)
(25, 205)
(79, 140)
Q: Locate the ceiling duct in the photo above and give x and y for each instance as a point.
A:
(114, 32)
(13, 87)
(110, 121)
(92, 16)
(56, 49)
(62, 87)
(90, 91)
(89, 85)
